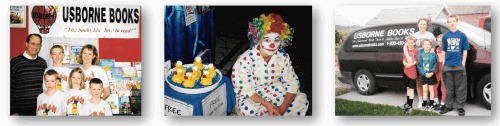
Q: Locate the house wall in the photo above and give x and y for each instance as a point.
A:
(442, 15)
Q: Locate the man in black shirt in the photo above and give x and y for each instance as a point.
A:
(26, 77)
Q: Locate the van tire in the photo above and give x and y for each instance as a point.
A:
(483, 90)
(367, 84)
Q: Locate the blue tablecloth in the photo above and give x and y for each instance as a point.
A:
(195, 99)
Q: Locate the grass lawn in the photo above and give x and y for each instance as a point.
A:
(356, 108)
(340, 91)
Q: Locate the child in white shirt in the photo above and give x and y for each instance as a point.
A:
(57, 56)
(76, 94)
(96, 106)
(51, 102)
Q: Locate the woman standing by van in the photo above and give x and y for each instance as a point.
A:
(423, 25)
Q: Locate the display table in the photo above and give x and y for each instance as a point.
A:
(196, 101)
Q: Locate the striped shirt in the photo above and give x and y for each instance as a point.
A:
(26, 78)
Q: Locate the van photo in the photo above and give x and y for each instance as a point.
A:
(371, 57)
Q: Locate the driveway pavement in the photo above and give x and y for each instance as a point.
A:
(396, 97)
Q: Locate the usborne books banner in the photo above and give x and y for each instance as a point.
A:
(85, 21)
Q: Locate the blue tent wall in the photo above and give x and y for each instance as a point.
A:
(181, 40)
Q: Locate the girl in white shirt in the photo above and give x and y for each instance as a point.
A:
(76, 95)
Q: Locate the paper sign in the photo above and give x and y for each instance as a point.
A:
(129, 72)
(174, 107)
(123, 64)
(75, 51)
(215, 103)
(189, 14)
(18, 16)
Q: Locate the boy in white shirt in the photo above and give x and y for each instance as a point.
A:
(57, 56)
(96, 106)
(51, 102)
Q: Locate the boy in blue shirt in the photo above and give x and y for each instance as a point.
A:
(455, 46)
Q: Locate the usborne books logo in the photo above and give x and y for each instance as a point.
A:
(44, 16)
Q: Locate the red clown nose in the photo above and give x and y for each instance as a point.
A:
(272, 45)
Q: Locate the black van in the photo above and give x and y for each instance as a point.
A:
(372, 57)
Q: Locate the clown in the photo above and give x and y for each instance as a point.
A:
(263, 77)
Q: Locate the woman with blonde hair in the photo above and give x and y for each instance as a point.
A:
(89, 58)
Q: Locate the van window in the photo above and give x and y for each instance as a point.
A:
(437, 29)
(396, 37)
(487, 24)
(387, 38)
(362, 40)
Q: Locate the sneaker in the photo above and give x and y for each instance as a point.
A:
(425, 108)
(461, 111)
(445, 110)
(430, 107)
(436, 106)
(439, 107)
(404, 106)
(409, 110)
(420, 104)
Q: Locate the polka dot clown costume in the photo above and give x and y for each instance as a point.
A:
(272, 79)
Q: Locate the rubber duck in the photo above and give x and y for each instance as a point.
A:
(178, 76)
(211, 70)
(189, 81)
(178, 65)
(197, 63)
(206, 79)
(196, 72)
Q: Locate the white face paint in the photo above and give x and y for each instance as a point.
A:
(270, 43)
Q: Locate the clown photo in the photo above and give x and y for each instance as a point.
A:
(238, 60)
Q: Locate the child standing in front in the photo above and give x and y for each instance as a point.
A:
(51, 102)
(96, 106)
(427, 66)
(455, 47)
(76, 94)
(57, 56)
(439, 76)
(410, 74)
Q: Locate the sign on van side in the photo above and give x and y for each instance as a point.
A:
(392, 36)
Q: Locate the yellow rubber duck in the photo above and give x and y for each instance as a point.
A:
(178, 65)
(74, 110)
(59, 87)
(178, 76)
(211, 71)
(189, 81)
(196, 72)
(206, 79)
(197, 63)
